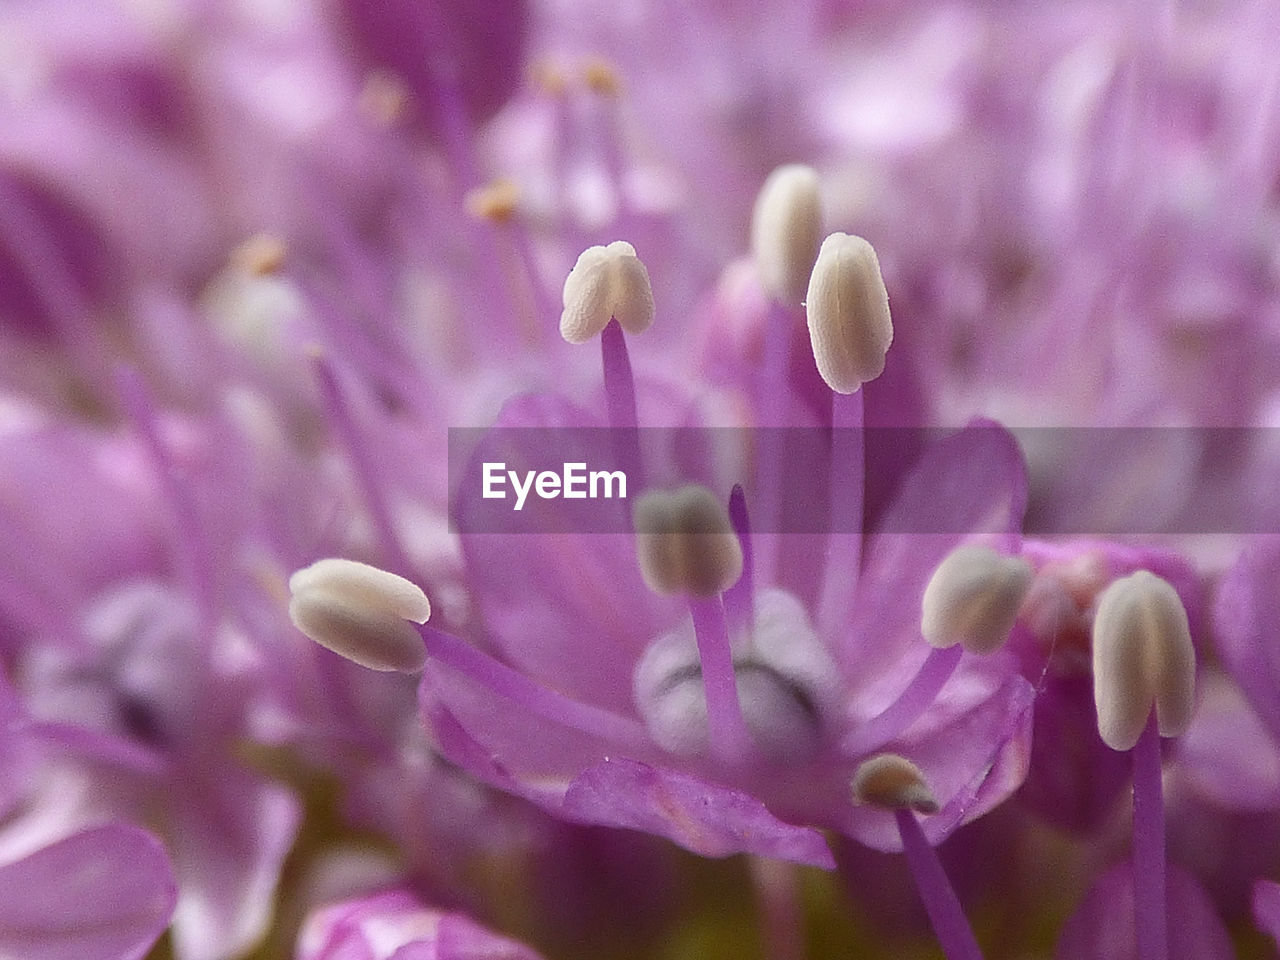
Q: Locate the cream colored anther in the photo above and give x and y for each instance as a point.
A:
(685, 542)
(1142, 658)
(973, 599)
(848, 312)
(606, 282)
(895, 783)
(786, 228)
(361, 613)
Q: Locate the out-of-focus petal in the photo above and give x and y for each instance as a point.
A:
(1103, 926)
(103, 894)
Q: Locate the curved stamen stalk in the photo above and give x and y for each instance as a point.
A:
(910, 704)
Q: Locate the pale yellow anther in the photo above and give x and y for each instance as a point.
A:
(549, 77)
(895, 783)
(848, 312)
(686, 543)
(1143, 658)
(361, 613)
(383, 98)
(496, 201)
(262, 255)
(973, 599)
(606, 282)
(601, 76)
(786, 228)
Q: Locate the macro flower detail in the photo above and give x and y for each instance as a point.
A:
(928, 606)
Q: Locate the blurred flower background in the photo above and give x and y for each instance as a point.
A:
(257, 257)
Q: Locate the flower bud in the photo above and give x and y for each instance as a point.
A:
(786, 227)
(606, 282)
(361, 613)
(973, 599)
(848, 311)
(686, 543)
(895, 783)
(1142, 657)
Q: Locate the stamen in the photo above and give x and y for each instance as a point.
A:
(1144, 672)
(848, 310)
(606, 282)
(383, 98)
(786, 227)
(601, 77)
(686, 543)
(973, 599)
(495, 202)
(847, 486)
(1143, 657)
(361, 613)
(261, 255)
(897, 784)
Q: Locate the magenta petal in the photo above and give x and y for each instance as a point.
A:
(1245, 617)
(972, 482)
(102, 894)
(1266, 907)
(1103, 929)
(231, 836)
(709, 820)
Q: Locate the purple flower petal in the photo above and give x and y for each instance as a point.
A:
(1103, 928)
(707, 819)
(1245, 615)
(231, 835)
(102, 894)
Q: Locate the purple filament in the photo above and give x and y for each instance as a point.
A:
(910, 704)
(954, 934)
(620, 397)
(729, 737)
(620, 731)
(844, 550)
(1149, 902)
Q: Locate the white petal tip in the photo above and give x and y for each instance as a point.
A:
(848, 312)
(786, 227)
(361, 613)
(1143, 659)
(973, 599)
(606, 283)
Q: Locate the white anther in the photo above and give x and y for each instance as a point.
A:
(606, 282)
(1142, 657)
(786, 227)
(361, 613)
(848, 310)
(895, 783)
(973, 598)
(686, 543)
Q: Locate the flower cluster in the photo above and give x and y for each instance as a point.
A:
(929, 353)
